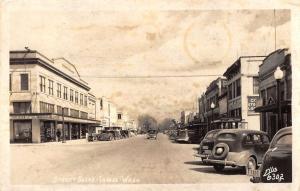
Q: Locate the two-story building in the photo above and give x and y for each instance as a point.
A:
(242, 92)
(268, 104)
(45, 94)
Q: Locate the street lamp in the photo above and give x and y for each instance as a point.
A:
(212, 106)
(278, 75)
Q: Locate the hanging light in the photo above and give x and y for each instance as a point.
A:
(212, 105)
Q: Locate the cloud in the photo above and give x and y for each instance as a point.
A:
(141, 43)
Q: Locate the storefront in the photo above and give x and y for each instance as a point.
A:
(36, 128)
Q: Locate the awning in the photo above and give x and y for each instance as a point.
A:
(51, 117)
(285, 106)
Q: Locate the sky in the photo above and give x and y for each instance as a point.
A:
(110, 43)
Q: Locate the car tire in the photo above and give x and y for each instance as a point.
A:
(251, 164)
(219, 167)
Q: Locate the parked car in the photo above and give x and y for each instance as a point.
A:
(117, 134)
(152, 134)
(124, 134)
(277, 162)
(238, 147)
(182, 136)
(207, 144)
(106, 136)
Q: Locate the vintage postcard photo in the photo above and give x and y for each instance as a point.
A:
(99, 96)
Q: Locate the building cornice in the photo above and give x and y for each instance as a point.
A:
(19, 61)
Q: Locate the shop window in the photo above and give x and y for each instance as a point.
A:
(22, 107)
(42, 84)
(22, 131)
(271, 95)
(24, 82)
(50, 87)
(58, 90)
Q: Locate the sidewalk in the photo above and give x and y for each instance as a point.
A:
(68, 142)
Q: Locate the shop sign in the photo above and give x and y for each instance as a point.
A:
(252, 102)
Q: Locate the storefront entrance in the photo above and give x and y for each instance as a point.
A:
(22, 131)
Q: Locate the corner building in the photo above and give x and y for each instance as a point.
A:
(242, 92)
(44, 93)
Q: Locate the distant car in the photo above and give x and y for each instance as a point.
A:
(207, 144)
(277, 162)
(152, 134)
(106, 136)
(182, 136)
(238, 147)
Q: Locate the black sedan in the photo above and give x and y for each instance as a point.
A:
(277, 162)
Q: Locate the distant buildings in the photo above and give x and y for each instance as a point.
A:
(47, 93)
(248, 95)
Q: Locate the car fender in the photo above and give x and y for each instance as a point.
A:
(241, 158)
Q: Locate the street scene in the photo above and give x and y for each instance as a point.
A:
(129, 161)
(150, 97)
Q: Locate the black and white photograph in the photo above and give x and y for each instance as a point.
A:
(96, 94)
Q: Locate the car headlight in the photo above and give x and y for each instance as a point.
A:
(219, 150)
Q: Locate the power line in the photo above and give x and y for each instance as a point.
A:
(153, 76)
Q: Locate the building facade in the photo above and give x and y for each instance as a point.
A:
(213, 91)
(268, 104)
(44, 95)
(242, 92)
(106, 112)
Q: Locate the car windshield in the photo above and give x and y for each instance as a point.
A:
(227, 136)
(284, 140)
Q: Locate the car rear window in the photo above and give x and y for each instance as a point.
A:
(227, 136)
(211, 134)
(284, 140)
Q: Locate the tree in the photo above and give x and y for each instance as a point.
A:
(146, 122)
(165, 124)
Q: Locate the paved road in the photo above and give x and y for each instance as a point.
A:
(133, 160)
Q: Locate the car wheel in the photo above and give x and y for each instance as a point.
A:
(219, 167)
(251, 164)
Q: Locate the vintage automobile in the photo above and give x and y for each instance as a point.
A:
(124, 134)
(106, 136)
(151, 134)
(238, 148)
(207, 144)
(277, 162)
(183, 135)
